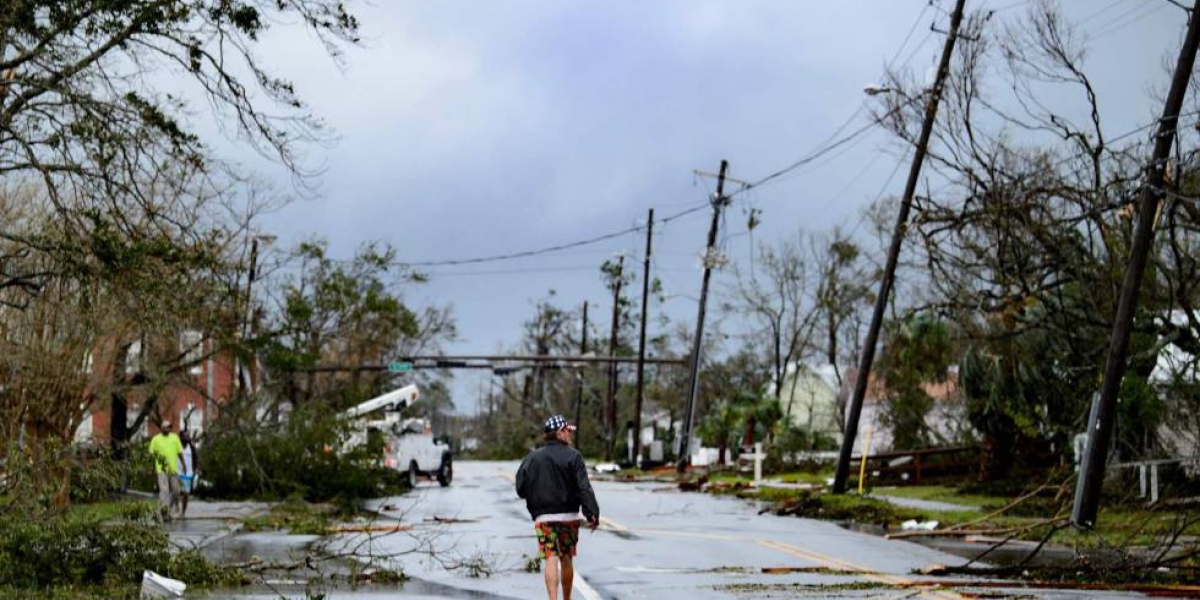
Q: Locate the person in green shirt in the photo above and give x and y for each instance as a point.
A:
(165, 449)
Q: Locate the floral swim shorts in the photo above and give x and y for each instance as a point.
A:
(557, 538)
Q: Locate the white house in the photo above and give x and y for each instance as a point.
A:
(1180, 433)
(810, 400)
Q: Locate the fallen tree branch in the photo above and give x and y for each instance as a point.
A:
(970, 532)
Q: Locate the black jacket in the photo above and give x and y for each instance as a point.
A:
(553, 479)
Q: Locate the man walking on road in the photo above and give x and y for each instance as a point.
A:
(554, 483)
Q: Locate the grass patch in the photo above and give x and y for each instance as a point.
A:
(735, 477)
(1116, 527)
(942, 493)
(295, 516)
(132, 510)
(728, 477)
(805, 477)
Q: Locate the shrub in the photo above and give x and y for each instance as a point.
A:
(87, 547)
(307, 456)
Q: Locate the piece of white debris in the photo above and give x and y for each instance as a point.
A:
(915, 525)
(157, 586)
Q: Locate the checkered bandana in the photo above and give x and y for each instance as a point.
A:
(556, 423)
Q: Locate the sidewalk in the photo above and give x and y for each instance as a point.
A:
(921, 504)
(209, 521)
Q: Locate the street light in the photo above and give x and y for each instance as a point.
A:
(874, 89)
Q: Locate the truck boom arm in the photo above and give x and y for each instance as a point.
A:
(394, 400)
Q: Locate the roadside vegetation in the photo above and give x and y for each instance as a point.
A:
(1133, 542)
(95, 550)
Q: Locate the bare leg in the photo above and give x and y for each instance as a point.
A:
(183, 498)
(550, 570)
(164, 493)
(567, 570)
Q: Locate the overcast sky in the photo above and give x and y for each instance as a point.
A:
(472, 129)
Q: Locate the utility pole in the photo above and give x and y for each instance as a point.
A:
(641, 364)
(1103, 413)
(719, 201)
(889, 271)
(242, 375)
(610, 434)
(579, 373)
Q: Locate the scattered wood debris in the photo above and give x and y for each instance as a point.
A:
(693, 485)
(368, 528)
(440, 519)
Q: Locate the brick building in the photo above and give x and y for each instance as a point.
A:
(192, 400)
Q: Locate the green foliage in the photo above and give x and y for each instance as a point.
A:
(720, 427)
(90, 547)
(96, 474)
(294, 516)
(919, 351)
(352, 312)
(1139, 414)
(792, 440)
(307, 456)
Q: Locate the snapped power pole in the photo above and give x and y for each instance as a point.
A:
(610, 407)
(889, 271)
(1103, 415)
(641, 364)
(719, 201)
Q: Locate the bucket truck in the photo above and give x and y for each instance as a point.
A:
(409, 445)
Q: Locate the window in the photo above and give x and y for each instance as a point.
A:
(191, 344)
(131, 417)
(133, 358)
(83, 433)
(191, 420)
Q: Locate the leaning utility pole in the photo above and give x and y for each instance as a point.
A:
(579, 374)
(1103, 413)
(719, 201)
(610, 410)
(641, 364)
(885, 286)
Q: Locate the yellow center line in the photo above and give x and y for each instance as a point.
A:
(815, 557)
(829, 561)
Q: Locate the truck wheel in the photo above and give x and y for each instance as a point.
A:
(414, 474)
(446, 473)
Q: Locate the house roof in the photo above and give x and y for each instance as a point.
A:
(940, 391)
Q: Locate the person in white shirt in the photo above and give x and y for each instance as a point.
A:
(189, 464)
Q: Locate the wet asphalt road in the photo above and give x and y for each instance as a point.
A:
(474, 540)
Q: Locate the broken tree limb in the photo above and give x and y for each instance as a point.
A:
(1005, 508)
(368, 528)
(979, 532)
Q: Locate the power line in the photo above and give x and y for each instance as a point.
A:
(512, 271)
(1100, 12)
(829, 144)
(548, 249)
(1116, 24)
(908, 36)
